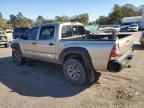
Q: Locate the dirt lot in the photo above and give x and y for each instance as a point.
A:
(42, 85)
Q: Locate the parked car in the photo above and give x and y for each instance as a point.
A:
(133, 27)
(3, 41)
(80, 54)
(116, 28)
(142, 39)
(1, 33)
(124, 27)
(18, 32)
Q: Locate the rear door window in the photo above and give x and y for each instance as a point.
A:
(32, 34)
(47, 32)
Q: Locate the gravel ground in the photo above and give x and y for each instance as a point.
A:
(42, 85)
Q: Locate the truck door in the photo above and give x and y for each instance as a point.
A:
(46, 44)
(28, 44)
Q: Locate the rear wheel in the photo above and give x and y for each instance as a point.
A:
(74, 71)
(17, 57)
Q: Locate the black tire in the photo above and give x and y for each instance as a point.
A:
(77, 75)
(6, 45)
(17, 57)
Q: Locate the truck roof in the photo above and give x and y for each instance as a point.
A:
(62, 23)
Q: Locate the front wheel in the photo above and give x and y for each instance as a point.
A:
(74, 71)
(17, 57)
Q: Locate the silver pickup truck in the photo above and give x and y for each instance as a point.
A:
(80, 52)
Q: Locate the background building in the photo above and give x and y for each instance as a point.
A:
(136, 19)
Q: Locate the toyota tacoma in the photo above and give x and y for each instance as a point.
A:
(79, 52)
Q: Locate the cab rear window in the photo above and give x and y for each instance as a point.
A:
(66, 31)
(72, 31)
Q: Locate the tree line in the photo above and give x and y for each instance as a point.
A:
(118, 12)
(20, 20)
(114, 17)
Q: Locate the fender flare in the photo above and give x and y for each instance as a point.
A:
(85, 56)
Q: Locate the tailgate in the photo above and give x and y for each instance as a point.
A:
(125, 45)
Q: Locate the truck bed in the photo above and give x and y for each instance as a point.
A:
(100, 47)
(107, 36)
(95, 37)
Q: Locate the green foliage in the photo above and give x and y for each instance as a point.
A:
(19, 21)
(13, 20)
(3, 23)
(114, 17)
(103, 20)
(82, 18)
(118, 13)
(62, 18)
(40, 20)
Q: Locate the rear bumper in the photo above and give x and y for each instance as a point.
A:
(116, 66)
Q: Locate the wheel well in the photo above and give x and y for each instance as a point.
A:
(76, 56)
(82, 55)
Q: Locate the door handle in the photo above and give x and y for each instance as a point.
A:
(51, 44)
(34, 43)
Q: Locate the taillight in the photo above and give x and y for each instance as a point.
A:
(114, 53)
